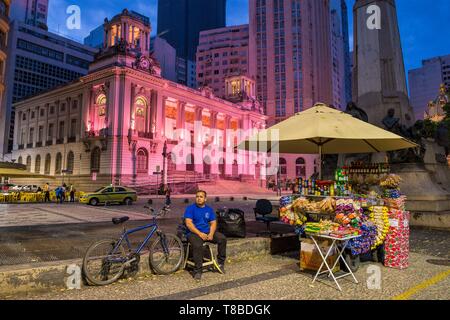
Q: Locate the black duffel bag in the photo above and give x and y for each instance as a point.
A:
(231, 222)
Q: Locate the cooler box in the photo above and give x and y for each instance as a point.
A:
(310, 258)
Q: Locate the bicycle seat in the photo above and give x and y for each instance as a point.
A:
(120, 220)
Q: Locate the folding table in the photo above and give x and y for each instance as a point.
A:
(334, 244)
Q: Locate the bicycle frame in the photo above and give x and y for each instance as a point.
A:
(124, 236)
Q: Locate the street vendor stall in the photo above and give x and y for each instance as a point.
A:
(362, 205)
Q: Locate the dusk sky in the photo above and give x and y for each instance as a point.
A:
(423, 24)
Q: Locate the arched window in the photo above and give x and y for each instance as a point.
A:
(140, 113)
(20, 161)
(190, 166)
(70, 161)
(142, 161)
(58, 163)
(101, 103)
(48, 160)
(29, 163)
(300, 167)
(95, 160)
(37, 164)
(283, 166)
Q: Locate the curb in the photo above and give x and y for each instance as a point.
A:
(41, 277)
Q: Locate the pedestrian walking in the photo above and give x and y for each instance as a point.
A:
(58, 191)
(46, 189)
(167, 193)
(63, 193)
(72, 193)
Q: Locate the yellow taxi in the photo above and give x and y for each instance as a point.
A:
(110, 194)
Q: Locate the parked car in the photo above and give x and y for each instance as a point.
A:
(116, 194)
(29, 188)
(16, 188)
(5, 187)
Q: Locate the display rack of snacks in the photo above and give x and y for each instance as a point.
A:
(379, 216)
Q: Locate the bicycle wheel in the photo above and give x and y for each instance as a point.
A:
(166, 254)
(101, 265)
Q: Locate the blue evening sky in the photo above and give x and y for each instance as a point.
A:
(423, 23)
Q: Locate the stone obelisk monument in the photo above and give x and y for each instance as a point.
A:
(379, 81)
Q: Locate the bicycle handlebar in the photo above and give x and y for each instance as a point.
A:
(161, 212)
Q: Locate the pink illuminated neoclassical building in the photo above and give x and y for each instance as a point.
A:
(111, 125)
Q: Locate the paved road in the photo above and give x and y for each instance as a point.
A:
(276, 278)
(51, 232)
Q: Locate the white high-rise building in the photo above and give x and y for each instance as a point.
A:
(38, 60)
(33, 13)
(424, 82)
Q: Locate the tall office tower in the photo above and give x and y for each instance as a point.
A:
(338, 62)
(221, 53)
(33, 13)
(37, 61)
(4, 30)
(424, 82)
(180, 22)
(290, 55)
(341, 49)
(166, 56)
(379, 81)
(95, 38)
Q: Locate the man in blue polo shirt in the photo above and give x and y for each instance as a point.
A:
(202, 225)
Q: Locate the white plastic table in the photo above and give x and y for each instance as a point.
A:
(334, 244)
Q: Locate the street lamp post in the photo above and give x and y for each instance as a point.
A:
(164, 173)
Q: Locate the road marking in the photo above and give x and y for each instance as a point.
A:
(420, 287)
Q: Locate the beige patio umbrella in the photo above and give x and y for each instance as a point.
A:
(323, 130)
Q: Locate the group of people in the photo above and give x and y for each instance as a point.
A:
(60, 192)
(284, 184)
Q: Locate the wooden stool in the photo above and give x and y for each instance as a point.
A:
(207, 261)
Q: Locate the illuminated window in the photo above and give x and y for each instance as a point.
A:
(141, 105)
(235, 87)
(101, 102)
(101, 99)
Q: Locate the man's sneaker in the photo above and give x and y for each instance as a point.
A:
(222, 267)
(197, 276)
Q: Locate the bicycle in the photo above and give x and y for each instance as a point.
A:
(106, 260)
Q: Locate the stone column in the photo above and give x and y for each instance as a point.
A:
(36, 127)
(162, 107)
(198, 118)
(45, 131)
(68, 120)
(17, 121)
(132, 100)
(56, 133)
(153, 113)
(213, 122)
(80, 121)
(181, 107)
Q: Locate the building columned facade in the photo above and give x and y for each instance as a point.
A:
(111, 125)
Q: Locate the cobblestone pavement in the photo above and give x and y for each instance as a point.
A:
(274, 278)
(51, 232)
(20, 215)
